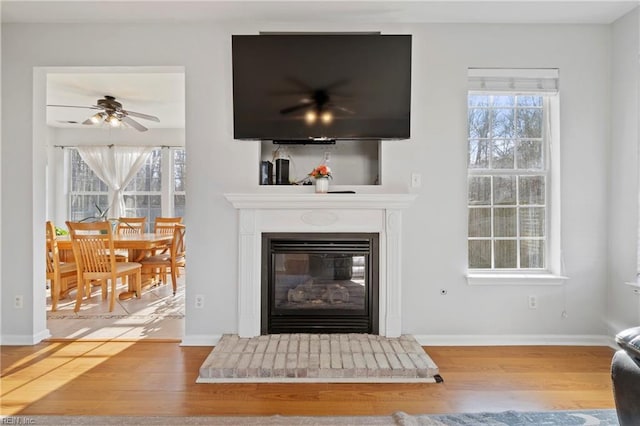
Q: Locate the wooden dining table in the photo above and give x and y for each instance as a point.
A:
(137, 245)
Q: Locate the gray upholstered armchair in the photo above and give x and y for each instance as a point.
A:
(625, 374)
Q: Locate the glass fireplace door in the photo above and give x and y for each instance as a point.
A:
(323, 283)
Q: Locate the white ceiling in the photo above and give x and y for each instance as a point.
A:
(390, 11)
(162, 94)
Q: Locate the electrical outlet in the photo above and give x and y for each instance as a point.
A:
(327, 157)
(18, 302)
(533, 302)
(199, 301)
(416, 180)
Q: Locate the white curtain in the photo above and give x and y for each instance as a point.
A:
(115, 166)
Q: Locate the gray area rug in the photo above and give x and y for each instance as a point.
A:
(506, 418)
(318, 358)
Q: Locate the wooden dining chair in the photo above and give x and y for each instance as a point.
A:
(129, 226)
(59, 274)
(164, 226)
(174, 259)
(96, 261)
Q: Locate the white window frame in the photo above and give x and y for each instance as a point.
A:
(167, 182)
(172, 196)
(497, 84)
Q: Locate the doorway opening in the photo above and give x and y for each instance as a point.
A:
(75, 190)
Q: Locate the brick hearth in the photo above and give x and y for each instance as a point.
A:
(318, 358)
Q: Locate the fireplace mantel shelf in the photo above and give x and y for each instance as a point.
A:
(319, 201)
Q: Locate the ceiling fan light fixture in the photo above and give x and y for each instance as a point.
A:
(310, 117)
(113, 120)
(97, 118)
(326, 117)
(113, 114)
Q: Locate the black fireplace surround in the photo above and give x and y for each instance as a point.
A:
(319, 283)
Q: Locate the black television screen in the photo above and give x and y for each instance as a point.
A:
(297, 87)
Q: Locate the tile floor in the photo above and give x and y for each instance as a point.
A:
(158, 314)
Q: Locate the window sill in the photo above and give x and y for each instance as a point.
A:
(515, 279)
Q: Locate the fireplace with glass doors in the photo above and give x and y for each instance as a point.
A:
(319, 283)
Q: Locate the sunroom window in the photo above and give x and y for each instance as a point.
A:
(158, 189)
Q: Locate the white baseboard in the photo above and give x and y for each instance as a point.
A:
(468, 340)
(24, 339)
(201, 340)
(611, 342)
(515, 340)
(423, 340)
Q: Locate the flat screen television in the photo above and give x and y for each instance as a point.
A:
(317, 87)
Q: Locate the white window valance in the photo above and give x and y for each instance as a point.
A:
(514, 80)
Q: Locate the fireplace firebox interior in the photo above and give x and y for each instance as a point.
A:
(319, 283)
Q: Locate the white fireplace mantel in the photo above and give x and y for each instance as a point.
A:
(322, 201)
(310, 212)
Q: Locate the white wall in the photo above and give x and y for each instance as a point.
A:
(435, 240)
(582, 54)
(623, 304)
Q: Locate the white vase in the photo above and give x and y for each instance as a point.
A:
(322, 185)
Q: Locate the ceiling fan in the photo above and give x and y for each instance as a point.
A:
(318, 102)
(111, 112)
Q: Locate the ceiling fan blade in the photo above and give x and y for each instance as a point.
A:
(341, 108)
(336, 84)
(75, 106)
(304, 87)
(295, 107)
(141, 115)
(290, 92)
(131, 122)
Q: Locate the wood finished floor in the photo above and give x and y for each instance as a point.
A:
(158, 378)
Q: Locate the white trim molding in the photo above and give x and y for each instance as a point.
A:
(24, 339)
(296, 212)
(320, 201)
(514, 340)
(201, 340)
(515, 279)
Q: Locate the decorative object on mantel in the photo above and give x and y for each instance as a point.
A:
(322, 174)
(322, 185)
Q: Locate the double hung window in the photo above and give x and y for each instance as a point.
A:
(512, 115)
